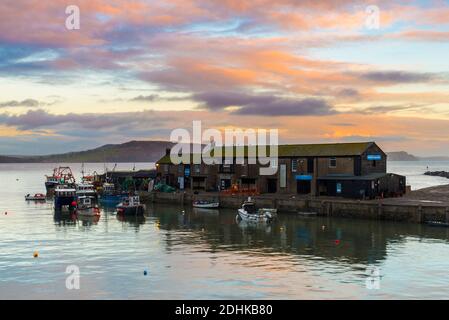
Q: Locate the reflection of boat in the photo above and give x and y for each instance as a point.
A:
(253, 225)
(61, 175)
(86, 207)
(205, 204)
(205, 211)
(36, 197)
(248, 212)
(65, 196)
(130, 206)
(437, 223)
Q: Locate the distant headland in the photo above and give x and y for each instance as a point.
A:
(145, 151)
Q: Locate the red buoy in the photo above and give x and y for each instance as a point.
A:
(337, 242)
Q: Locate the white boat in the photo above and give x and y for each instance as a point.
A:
(36, 197)
(85, 189)
(249, 212)
(130, 206)
(86, 207)
(205, 204)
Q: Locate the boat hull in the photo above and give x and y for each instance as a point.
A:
(64, 201)
(213, 205)
(138, 210)
(254, 217)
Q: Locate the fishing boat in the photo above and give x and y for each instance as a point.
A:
(249, 212)
(86, 206)
(130, 206)
(85, 189)
(205, 204)
(61, 175)
(36, 197)
(110, 195)
(65, 196)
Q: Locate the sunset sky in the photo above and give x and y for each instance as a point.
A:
(135, 70)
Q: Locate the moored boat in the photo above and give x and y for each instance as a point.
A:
(109, 195)
(205, 204)
(85, 189)
(130, 206)
(36, 197)
(86, 207)
(61, 175)
(249, 212)
(65, 196)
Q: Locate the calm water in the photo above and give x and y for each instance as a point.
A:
(414, 171)
(202, 254)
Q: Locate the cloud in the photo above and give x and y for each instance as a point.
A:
(36, 119)
(151, 97)
(398, 76)
(263, 105)
(24, 103)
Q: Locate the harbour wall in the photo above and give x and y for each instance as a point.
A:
(323, 207)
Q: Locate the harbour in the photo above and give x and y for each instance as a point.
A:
(175, 251)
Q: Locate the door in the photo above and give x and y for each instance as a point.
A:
(272, 185)
(303, 186)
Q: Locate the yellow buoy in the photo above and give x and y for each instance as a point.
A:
(35, 254)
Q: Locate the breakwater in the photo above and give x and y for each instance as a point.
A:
(443, 174)
(402, 211)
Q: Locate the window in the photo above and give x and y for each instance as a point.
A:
(180, 168)
(166, 167)
(294, 165)
(197, 168)
(274, 163)
(332, 162)
(283, 175)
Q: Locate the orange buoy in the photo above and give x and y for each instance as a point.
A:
(35, 254)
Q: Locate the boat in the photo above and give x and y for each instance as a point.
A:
(249, 212)
(61, 175)
(110, 195)
(130, 206)
(307, 214)
(65, 196)
(437, 223)
(205, 204)
(86, 207)
(85, 189)
(36, 197)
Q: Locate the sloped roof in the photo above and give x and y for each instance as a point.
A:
(306, 150)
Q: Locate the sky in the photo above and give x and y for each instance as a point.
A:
(318, 71)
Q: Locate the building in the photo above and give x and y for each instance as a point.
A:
(353, 170)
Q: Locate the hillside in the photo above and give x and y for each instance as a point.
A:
(133, 151)
(401, 156)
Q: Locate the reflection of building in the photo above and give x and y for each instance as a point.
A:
(353, 170)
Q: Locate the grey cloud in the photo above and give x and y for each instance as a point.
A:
(24, 103)
(263, 105)
(398, 76)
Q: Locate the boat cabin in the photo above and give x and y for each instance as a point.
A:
(249, 207)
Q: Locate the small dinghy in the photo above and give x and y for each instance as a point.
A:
(307, 214)
(131, 206)
(36, 197)
(248, 212)
(437, 223)
(86, 207)
(205, 204)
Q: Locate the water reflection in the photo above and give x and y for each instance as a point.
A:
(343, 240)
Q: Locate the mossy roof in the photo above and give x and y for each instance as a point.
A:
(306, 150)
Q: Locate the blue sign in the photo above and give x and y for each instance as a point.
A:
(338, 187)
(187, 172)
(303, 177)
(374, 157)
